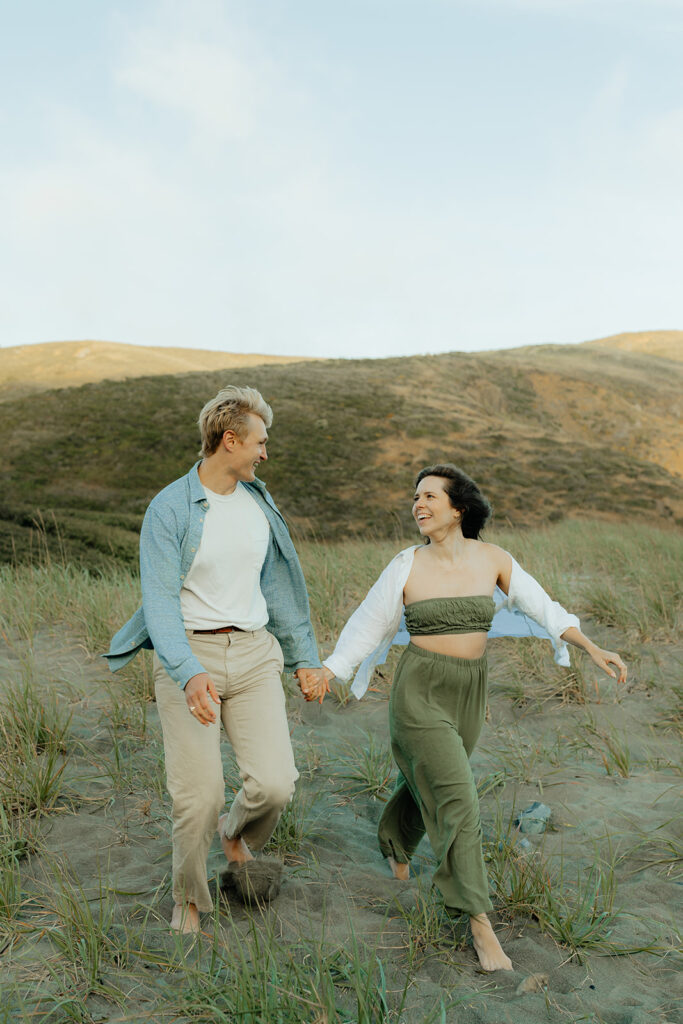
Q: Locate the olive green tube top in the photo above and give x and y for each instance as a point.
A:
(439, 615)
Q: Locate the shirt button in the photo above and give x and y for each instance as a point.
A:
(182, 575)
(193, 549)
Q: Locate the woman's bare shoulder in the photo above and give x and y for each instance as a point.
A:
(495, 554)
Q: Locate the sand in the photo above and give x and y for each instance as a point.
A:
(111, 829)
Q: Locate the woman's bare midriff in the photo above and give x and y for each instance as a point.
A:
(455, 645)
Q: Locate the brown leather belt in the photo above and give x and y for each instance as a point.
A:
(221, 629)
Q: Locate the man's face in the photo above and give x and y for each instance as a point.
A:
(249, 451)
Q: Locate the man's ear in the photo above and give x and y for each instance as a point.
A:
(229, 440)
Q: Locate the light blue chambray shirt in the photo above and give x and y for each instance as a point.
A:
(169, 539)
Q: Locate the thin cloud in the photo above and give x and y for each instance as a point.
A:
(202, 81)
(214, 196)
(592, 8)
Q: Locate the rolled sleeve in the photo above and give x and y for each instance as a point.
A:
(529, 597)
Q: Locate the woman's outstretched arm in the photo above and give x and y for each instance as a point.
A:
(572, 634)
(602, 658)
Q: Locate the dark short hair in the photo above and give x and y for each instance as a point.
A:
(463, 494)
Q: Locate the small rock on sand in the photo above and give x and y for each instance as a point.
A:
(533, 819)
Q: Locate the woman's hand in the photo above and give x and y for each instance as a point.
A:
(603, 659)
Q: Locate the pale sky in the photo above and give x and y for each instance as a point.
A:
(340, 177)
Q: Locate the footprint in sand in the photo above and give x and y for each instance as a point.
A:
(534, 983)
(255, 881)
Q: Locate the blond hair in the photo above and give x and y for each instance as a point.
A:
(230, 410)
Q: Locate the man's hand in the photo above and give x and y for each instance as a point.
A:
(197, 692)
(313, 683)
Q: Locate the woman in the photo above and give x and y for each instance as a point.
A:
(438, 698)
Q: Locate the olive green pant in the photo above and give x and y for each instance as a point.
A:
(436, 712)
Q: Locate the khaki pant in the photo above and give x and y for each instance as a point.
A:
(245, 669)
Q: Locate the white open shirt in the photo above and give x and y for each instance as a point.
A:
(377, 623)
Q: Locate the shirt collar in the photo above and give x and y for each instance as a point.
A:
(197, 492)
(196, 488)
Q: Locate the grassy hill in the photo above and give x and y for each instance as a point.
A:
(583, 432)
(28, 368)
(668, 344)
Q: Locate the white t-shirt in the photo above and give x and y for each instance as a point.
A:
(223, 585)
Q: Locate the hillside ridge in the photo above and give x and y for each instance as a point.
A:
(46, 365)
(664, 344)
(576, 432)
(25, 368)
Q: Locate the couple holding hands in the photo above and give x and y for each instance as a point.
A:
(225, 609)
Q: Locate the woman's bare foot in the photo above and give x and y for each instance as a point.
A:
(185, 919)
(236, 850)
(487, 946)
(400, 871)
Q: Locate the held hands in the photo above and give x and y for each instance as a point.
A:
(197, 692)
(314, 682)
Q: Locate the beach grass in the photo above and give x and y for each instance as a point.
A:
(365, 767)
(33, 750)
(615, 753)
(85, 818)
(297, 830)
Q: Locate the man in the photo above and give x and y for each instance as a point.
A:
(217, 565)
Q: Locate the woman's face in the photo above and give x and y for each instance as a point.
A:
(432, 509)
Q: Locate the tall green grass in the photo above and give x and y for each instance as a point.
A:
(627, 577)
(33, 750)
(92, 604)
(577, 910)
(365, 767)
(258, 979)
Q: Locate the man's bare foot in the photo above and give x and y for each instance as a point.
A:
(185, 919)
(236, 850)
(487, 946)
(400, 871)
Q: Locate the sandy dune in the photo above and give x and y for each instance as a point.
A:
(61, 364)
(666, 344)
